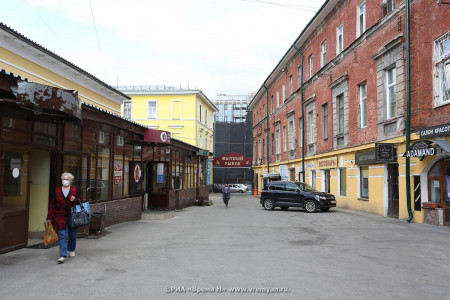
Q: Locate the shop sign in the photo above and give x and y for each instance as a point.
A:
(365, 158)
(137, 173)
(208, 172)
(327, 163)
(160, 173)
(118, 174)
(420, 149)
(233, 160)
(203, 152)
(384, 152)
(157, 136)
(439, 130)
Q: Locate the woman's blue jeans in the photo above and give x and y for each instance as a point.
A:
(67, 239)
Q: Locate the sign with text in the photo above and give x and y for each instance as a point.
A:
(327, 163)
(208, 172)
(420, 149)
(160, 173)
(384, 152)
(233, 160)
(157, 136)
(439, 130)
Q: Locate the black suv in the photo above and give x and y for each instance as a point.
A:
(287, 194)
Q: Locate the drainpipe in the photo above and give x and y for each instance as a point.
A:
(408, 113)
(303, 113)
(267, 127)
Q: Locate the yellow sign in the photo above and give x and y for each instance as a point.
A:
(327, 163)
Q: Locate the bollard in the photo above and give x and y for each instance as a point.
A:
(255, 193)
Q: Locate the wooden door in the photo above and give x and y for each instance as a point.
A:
(393, 194)
(14, 198)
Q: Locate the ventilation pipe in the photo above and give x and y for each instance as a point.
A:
(267, 127)
(303, 113)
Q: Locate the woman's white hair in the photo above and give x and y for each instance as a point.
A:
(71, 177)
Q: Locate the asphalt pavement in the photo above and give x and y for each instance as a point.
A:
(242, 252)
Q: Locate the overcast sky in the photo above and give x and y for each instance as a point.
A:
(217, 46)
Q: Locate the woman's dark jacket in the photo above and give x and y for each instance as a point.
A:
(59, 210)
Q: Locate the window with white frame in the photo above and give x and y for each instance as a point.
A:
(259, 147)
(323, 53)
(388, 6)
(341, 116)
(278, 98)
(339, 39)
(277, 138)
(363, 104)
(311, 127)
(364, 182)
(313, 178)
(283, 89)
(310, 60)
(151, 110)
(284, 139)
(291, 132)
(361, 21)
(442, 69)
(201, 142)
(200, 113)
(391, 90)
(127, 109)
(291, 85)
(325, 121)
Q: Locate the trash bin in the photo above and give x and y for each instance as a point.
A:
(97, 223)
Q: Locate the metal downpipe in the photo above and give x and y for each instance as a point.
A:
(408, 112)
(267, 128)
(303, 113)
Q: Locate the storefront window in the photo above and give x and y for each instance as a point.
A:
(103, 171)
(118, 176)
(136, 167)
(342, 181)
(15, 180)
(364, 182)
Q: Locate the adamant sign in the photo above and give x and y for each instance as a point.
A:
(420, 149)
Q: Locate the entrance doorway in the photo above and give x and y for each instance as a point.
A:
(393, 194)
(326, 178)
(14, 199)
(39, 192)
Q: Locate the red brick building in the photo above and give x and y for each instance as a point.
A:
(354, 101)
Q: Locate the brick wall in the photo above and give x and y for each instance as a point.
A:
(120, 210)
(184, 198)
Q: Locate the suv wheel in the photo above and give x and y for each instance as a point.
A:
(269, 204)
(241, 191)
(310, 206)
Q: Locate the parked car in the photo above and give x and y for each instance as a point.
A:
(285, 194)
(238, 188)
(217, 188)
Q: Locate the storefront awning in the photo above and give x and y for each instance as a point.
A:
(443, 144)
(47, 99)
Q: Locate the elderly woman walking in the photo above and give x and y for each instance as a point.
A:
(64, 198)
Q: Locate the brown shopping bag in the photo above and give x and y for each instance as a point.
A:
(50, 235)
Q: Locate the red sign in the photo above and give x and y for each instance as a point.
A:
(157, 136)
(233, 160)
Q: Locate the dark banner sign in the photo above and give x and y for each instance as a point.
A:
(233, 160)
(365, 158)
(439, 130)
(157, 136)
(420, 149)
(384, 152)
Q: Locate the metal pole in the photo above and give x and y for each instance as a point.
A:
(408, 113)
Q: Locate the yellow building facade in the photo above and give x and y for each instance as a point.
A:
(22, 57)
(187, 114)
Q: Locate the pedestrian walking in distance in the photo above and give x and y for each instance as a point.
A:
(226, 194)
(59, 213)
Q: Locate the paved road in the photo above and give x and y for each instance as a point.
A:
(207, 252)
